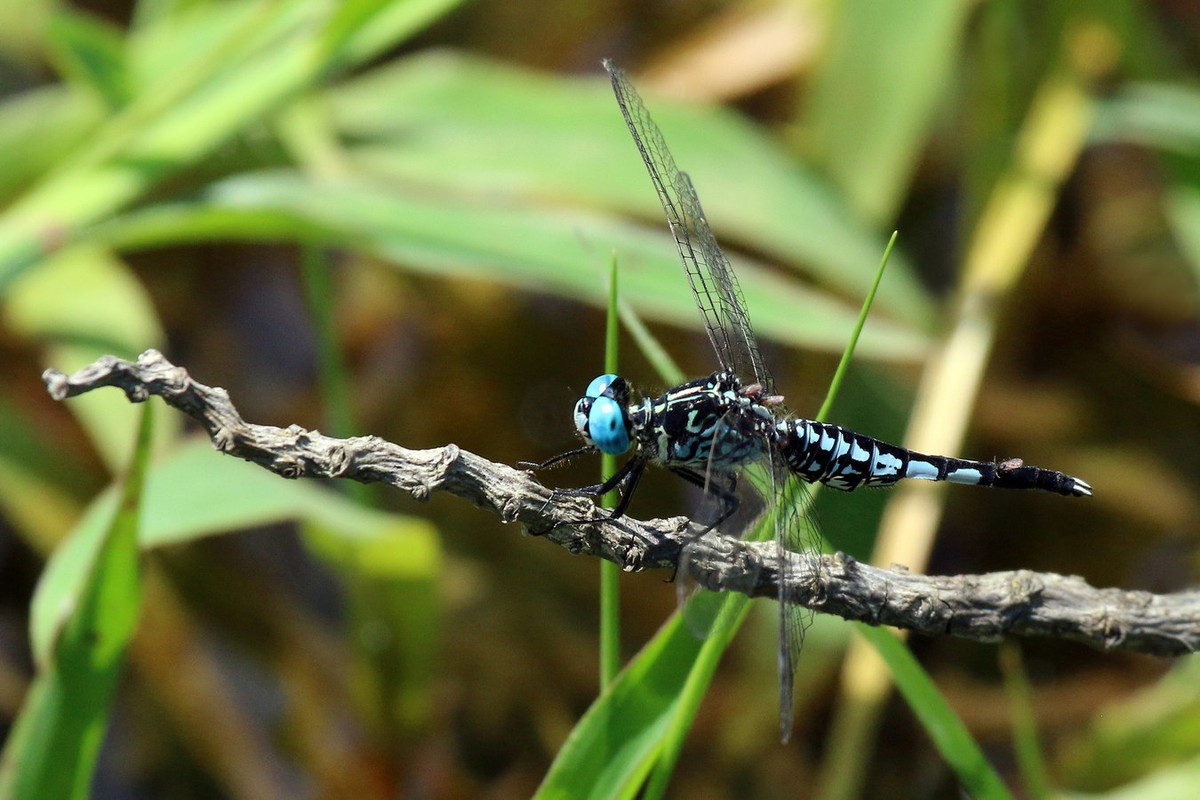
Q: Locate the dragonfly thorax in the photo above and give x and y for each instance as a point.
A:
(709, 423)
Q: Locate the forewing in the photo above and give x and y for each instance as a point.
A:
(712, 271)
(714, 286)
(722, 306)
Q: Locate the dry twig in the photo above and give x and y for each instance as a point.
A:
(984, 607)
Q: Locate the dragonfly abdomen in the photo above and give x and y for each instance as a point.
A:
(845, 460)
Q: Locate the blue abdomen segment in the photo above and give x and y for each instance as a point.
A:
(845, 460)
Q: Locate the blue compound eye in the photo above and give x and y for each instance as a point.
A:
(606, 426)
(600, 385)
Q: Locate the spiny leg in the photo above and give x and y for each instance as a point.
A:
(724, 494)
(631, 472)
(555, 461)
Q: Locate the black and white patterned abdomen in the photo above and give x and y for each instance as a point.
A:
(845, 460)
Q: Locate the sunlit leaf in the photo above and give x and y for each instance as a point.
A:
(531, 247)
(53, 748)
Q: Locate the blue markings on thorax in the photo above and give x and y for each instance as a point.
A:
(706, 423)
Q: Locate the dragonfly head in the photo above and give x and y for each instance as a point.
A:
(602, 415)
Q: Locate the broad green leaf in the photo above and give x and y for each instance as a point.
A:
(493, 131)
(90, 53)
(200, 77)
(197, 492)
(875, 92)
(613, 747)
(531, 247)
(84, 295)
(84, 303)
(53, 748)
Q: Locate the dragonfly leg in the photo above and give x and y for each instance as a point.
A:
(724, 492)
(635, 467)
(557, 460)
(629, 473)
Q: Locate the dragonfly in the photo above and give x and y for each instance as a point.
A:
(710, 430)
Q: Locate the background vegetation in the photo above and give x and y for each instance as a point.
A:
(396, 218)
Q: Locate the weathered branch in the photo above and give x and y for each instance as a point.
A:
(985, 607)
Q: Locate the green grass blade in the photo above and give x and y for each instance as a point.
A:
(835, 384)
(331, 369)
(335, 391)
(53, 748)
(1025, 735)
(610, 574)
(614, 745)
(731, 614)
(651, 348)
(947, 731)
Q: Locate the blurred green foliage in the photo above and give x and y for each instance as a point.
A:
(459, 174)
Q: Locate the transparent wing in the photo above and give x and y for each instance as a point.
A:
(719, 298)
(698, 607)
(714, 285)
(796, 530)
(772, 494)
(731, 504)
